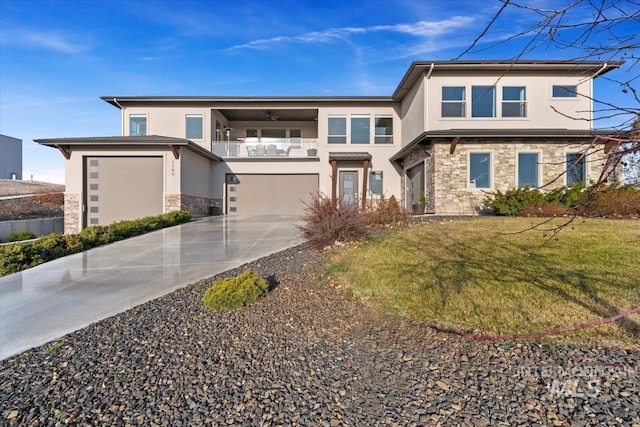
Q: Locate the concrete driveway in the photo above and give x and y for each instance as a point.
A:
(48, 301)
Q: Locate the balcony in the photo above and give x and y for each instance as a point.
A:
(257, 148)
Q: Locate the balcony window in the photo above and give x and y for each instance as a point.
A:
(480, 170)
(274, 133)
(514, 101)
(252, 133)
(453, 101)
(194, 126)
(528, 170)
(483, 101)
(137, 125)
(565, 91)
(337, 130)
(383, 130)
(360, 129)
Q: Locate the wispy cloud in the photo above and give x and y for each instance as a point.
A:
(418, 29)
(53, 40)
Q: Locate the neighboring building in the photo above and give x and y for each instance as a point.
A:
(10, 157)
(451, 130)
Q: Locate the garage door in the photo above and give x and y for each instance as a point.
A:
(269, 194)
(119, 188)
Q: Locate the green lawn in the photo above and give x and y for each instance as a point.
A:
(471, 274)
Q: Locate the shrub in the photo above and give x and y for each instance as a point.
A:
(569, 197)
(613, 201)
(21, 235)
(512, 202)
(21, 256)
(235, 292)
(383, 213)
(324, 224)
(546, 210)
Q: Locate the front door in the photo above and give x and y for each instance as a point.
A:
(349, 187)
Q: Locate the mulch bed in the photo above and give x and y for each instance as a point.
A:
(305, 355)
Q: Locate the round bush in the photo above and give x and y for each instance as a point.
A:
(235, 292)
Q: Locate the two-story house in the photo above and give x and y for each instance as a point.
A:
(451, 130)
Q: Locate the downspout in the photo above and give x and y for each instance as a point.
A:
(426, 112)
(115, 101)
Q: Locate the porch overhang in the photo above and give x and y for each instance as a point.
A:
(455, 137)
(66, 145)
(334, 158)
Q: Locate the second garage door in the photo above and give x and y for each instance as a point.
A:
(261, 194)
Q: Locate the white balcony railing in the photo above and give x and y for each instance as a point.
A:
(266, 147)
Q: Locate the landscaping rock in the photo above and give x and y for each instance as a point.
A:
(304, 355)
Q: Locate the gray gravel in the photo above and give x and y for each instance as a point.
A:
(304, 355)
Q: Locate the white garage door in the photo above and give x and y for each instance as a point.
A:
(119, 188)
(269, 194)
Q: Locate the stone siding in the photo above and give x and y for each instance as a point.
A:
(72, 211)
(452, 193)
(172, 202)
(197, 205)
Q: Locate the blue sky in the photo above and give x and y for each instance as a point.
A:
(58, 57)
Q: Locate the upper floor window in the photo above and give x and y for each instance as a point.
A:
(528, 170)
(453, 101)
(360, 129)
(137, 125)
(479, 170)
(576, 168)
(383, 130)
(565, 91)
(483, 101)
(194, 126)
(514, 101)
(337, 130)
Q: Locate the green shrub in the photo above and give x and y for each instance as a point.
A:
(235, 292)
(512, 202)
(569, 197)
(21, 235)
(21, 256)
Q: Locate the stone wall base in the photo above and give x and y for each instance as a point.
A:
(197, 205)
(72, 211)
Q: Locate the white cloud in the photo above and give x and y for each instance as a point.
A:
(53, 40)
(417, 29)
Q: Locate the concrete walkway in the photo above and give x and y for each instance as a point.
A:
(48, 301)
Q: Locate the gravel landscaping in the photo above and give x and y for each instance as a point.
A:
(305, 355)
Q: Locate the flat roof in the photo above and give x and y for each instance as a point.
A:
(115, 100)
(128, 141)
(356, 156)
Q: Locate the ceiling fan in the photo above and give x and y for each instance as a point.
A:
(271, 117)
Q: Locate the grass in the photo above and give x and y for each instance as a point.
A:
(471, 275)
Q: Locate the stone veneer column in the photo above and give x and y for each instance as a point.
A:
(172, 202)
(72, 209)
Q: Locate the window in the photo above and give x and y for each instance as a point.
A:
(273, 133)
(383, 130)
(453, 101)
(576, 168)
(194, 126)
(252, 133)
(137, 125)
(375, 182)
(565, 91)
(513, 101)
(295, 137)
(360, 129)
(479, 170)
(528, 170)
(337, 130)
(483, 101)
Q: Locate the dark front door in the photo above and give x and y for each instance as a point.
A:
(415, 182)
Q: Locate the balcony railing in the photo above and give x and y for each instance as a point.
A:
(266, 148)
